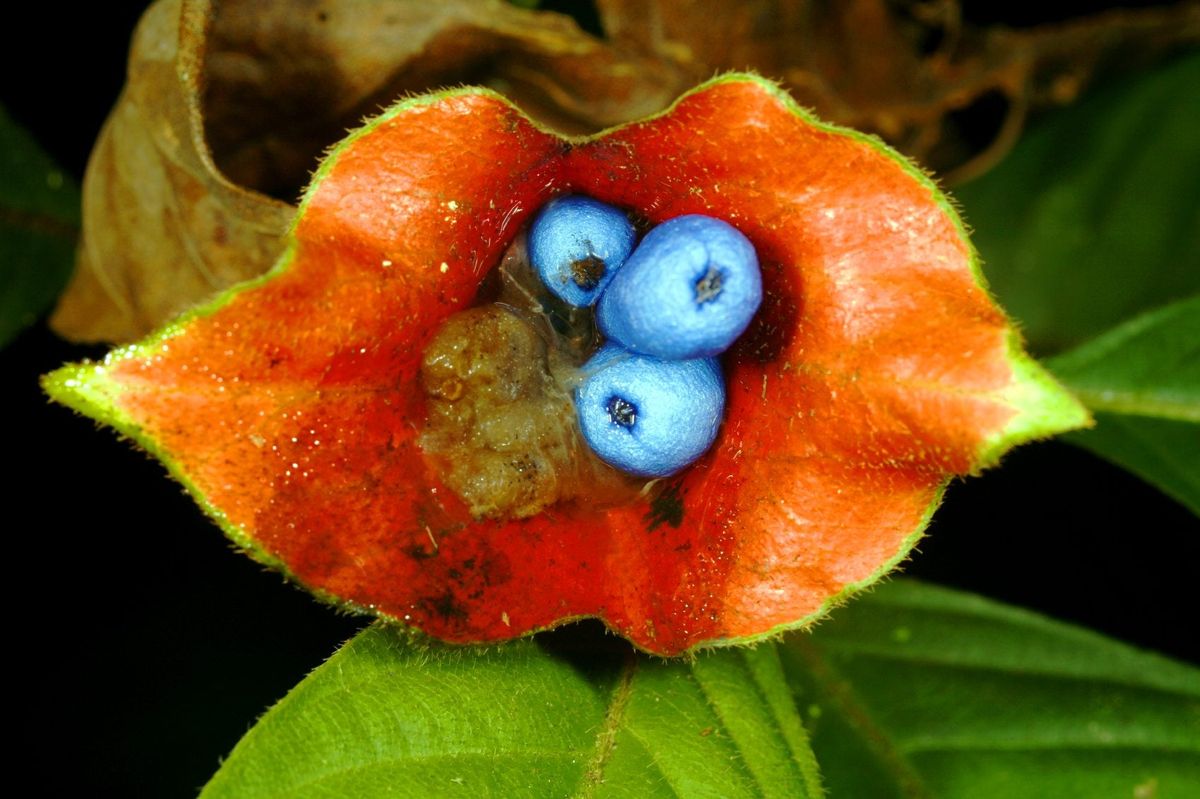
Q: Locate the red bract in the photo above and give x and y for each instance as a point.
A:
(877, 369)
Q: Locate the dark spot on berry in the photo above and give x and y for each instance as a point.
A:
(586, 272)
(709, 286)
(621, 412)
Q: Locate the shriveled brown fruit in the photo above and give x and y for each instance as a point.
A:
(226, 109)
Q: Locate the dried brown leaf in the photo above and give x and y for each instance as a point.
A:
(951, 95)
(288, 77)
(162, 229)
(224, 110)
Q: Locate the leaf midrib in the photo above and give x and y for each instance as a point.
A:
(866, 651)
(606, 737)
(1182, 470)
(1154, 404)
(839, 692)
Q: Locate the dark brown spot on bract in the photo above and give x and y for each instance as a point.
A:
(445, 606)
(418, 552)
(778, 318)
(667, 508)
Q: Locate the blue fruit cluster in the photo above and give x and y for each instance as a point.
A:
(653, 396)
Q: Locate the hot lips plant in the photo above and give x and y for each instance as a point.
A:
(295, 410)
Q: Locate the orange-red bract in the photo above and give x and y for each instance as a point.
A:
(877, 368)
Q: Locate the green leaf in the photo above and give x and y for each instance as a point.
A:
(1142, 382)
(39, 221)
(1095, 215)
(917, 691)
(389, 717)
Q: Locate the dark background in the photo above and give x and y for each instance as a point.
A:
(144, 651)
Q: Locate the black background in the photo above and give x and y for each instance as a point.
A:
(143, 647)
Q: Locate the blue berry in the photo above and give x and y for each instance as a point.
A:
(688, 291)
(647, 416)
(577, 244)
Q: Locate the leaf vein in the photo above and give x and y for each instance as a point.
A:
(606, 739)
(858, 716)
(1106, 680)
